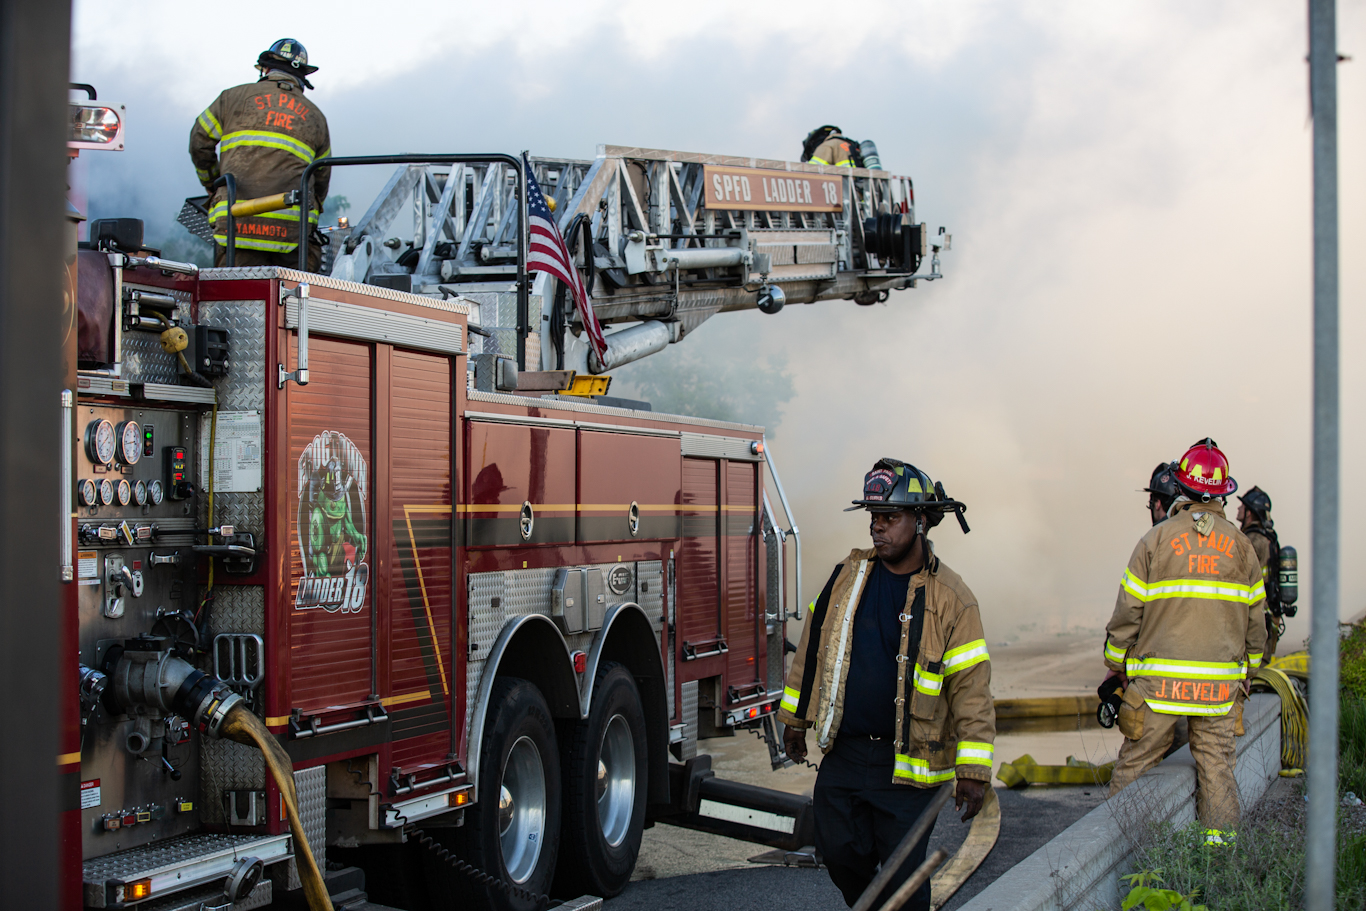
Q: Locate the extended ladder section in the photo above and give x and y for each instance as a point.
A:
(663, 239)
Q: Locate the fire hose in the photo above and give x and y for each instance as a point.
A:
(144, 673)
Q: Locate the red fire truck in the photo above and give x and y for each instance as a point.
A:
(482, 607)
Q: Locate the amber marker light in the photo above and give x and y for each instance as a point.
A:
(137, 891)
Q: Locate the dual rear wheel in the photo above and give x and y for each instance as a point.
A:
(558, 811)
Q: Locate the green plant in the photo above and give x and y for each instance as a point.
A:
(1352, 743)
(1141, 895)
(1352, 661)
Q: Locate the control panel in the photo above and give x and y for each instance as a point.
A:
(135, 505)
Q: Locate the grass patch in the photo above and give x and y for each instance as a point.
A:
(1352, 662)
(1265, 870)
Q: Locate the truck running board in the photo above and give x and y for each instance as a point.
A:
(745, 812)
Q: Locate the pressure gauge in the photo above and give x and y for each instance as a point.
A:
(154, 491)
(106, 490)
(87, 493)
(124, 491)
(99, 442)
(140, 493)
(130, 442)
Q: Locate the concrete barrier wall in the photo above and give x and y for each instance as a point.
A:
(1081, 867)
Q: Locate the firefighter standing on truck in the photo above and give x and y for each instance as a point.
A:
(892, 672)
(1186, 629)
(264, 133)
(826, 145)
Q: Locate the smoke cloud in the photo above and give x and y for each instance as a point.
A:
(1127, 185)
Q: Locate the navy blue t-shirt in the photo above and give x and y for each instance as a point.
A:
(870, 687)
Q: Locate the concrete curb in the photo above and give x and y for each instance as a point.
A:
(1080, 868)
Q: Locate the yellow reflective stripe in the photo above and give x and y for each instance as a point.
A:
(815, 160)
(1254, 658)
(251, 243)
(1133, 585)
(325, 153)
(201, 174)
(928, 683)
(846, 163)
(1263, 573)
(965, 656)
(1186, 708)
(220, 210)
(1190, 670)
(974, 753)
(1114, 653)
(267, 141)
(1192, 588)
(210, 124)
(790, 697)
(919, 770)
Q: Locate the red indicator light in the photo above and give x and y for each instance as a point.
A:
(753, 713)
(580, 662)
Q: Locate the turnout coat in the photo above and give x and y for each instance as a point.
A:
(945, 721)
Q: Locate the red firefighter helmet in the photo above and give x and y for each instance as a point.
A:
(1203, 471)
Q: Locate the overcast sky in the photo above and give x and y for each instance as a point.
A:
(1127, 184)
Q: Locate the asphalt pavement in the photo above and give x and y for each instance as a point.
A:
(683, 870)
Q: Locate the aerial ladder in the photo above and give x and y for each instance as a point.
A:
(665, 240)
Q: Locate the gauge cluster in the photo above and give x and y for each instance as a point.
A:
(120, 470)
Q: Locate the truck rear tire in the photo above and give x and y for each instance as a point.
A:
(606, 768)
(511, 830)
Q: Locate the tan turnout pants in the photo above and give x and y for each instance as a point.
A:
(1146, 740)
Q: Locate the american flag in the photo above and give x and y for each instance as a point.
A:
(549, 254)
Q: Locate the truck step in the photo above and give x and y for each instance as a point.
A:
(742, 811)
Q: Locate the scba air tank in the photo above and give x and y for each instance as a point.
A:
(1289, 579)
(871, 160)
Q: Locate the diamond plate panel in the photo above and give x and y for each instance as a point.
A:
(226, 766)
(243, 389)
(650, 597)
(311, 786)
(688, 748)
(519, 593)
(238, 609)
(143, 359)
(159, 854)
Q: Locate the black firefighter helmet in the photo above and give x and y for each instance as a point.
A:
(1162, 485)
(816, 137)
(1258, 502)
(894, 484)
(289, 55)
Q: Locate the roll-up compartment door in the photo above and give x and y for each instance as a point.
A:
(332, 537)
(739, 518)
(421, 609)
(699, 568)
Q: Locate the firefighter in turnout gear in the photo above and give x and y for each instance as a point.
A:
(1254, 515)
(825, 145)
(1186, 630)
(264, 133)
(892, 672)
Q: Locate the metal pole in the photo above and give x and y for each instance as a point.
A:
(34, 45)
(1323, 687)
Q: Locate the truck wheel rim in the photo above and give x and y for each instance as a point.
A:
(521, 809)
(616, 780)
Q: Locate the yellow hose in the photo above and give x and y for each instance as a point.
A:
(1294, 716)
(244, 727)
